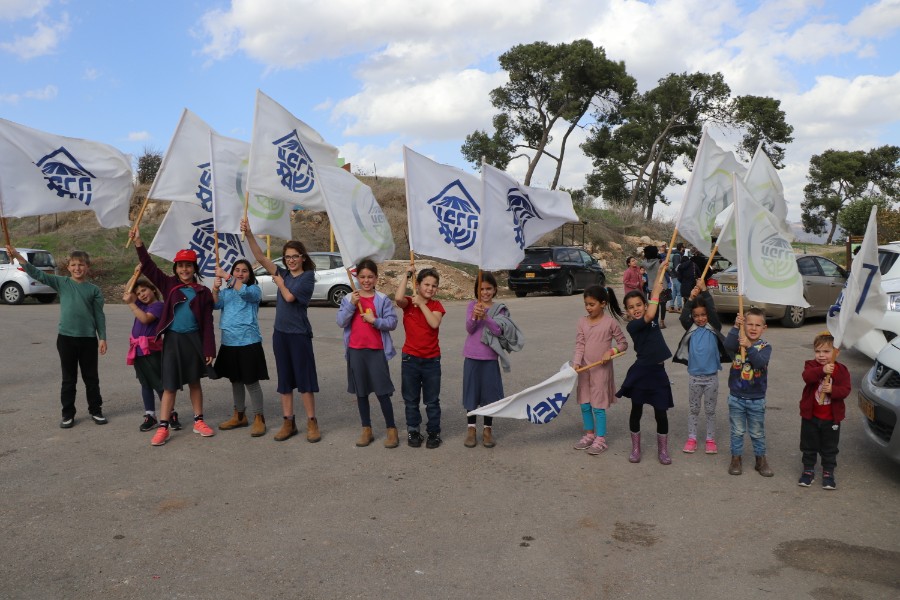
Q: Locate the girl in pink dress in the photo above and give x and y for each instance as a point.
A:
(632, 279)
(598, 338)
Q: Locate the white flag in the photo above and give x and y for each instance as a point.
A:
(539, 404)
(863, 302)
(360, 227)
(184, 174)
(708, 193)
(229, 160)
(42, 173)
(516, 216)
(284, 152)
(189, 226)
(444, 211)
(767, 266)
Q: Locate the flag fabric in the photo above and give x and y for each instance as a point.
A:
(516, 216)
(360, 227)
(767, 266)
(229, 160)
(444, 209)
(862, 304)
(708, 193)
(42, 173)
(184, 174)
(283, 153)
(538, 404)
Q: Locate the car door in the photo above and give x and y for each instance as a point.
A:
(590, 269)
(833, 278)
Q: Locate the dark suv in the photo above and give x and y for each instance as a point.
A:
(560, 269)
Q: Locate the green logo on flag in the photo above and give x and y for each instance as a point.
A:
(772, 260)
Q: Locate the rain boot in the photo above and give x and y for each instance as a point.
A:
(635, 455)
(662, 449)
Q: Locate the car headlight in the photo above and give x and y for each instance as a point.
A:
(894, 302)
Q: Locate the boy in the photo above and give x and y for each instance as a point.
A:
(81, 325)
(420, 370)
(822, 410)
(747, 382)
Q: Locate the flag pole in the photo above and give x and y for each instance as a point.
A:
(820, 398)
(216, 246)
(246, 210)
(599, 362)
(137, 220)
(6, 231)
(412, 263)
(130, 285)
(709, 262)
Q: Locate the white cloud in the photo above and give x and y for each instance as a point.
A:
(48, 92)
(138, 136)
(44, 40)
(12, 10)
(878, 19)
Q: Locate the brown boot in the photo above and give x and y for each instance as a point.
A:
(238, 419)
(366, 437)
(259, 426)
(393, 438)
(288, 429)
(312, 431)
(487, 439)
(735, 467)
(762, 465)
(470, 437)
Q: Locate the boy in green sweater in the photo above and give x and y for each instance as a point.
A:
(82, 332)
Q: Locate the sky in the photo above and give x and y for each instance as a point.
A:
(373, 77)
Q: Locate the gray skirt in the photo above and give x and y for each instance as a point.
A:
(368, 373)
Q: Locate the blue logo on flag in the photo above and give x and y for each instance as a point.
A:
(204, 189)
(66, 176)
(203, 242)
(294, 164)
(457, 214)
(522, 210)
(546, 411)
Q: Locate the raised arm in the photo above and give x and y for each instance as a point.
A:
(258, 253)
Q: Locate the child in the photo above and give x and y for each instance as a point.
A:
(702, 349)
(822, 410)
(189, 340)
(420, 370)
(593, 342)
(144, 349)
(368, 317)
(292, 339)
(491, 334)
(651, 265)
(747, 382)
(241, 356)
(646, 381)
(632, 280)
(82, 332)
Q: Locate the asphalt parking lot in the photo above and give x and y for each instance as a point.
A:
(96, 512)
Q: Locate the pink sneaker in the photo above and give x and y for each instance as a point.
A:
(160, 437)
(203, 429)
(711, 447)
(585, 442)
(598, 447)
(690, 446)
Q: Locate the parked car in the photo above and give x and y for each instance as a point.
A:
(871, 343)
(560, 269)
(331, 279)
(823, 281)
(879, 401)
(15, 284)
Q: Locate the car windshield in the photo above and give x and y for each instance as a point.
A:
(536, 257)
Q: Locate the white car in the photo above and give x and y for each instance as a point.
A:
(15, 284)
(879, 401)
(889, 265)
(332, 283)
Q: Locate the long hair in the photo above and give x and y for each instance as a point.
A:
(606, 295)
(250, 280)
(369, 265)
(486, 277)
(198, 278)
(305, 259)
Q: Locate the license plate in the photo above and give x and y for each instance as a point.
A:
(529, 275)
(728, 288)
(866, 406)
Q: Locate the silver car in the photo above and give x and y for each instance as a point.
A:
(15, 284)
(332, 283)
(879, 401)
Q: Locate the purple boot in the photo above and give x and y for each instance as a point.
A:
(635, 456)
(662, 447)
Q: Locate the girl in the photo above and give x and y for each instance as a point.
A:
(292, 339)
(593, 342)
(241, 357)
(189, 344)
(144, 350)
(368, 317)
(646, 381)
(486, 323)
(632, 280)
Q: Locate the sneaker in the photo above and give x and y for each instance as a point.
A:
(828, 482)
(99, 419)
(434, 440)
(203, 429)
(174, 423)
(160, 437)
(149, 423)
(598, 446)
(414, 439)
(67, 423)
(806, 478)
(690, 446)
(585, 442)
(711, 447)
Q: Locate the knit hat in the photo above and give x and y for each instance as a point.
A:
(185, 256)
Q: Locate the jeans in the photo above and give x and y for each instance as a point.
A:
(676, 301)
(421, 376)
(75, 352)
(747, 416)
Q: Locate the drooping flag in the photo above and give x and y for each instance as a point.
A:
(862, 304)
(42, 173)
(444, 209)
(184, 174)
(516, 216)
(708, 193)
(284, 152)
(767, 266)
(538, 404)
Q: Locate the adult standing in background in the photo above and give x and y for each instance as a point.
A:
(677, 301)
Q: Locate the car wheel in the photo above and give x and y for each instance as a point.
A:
(794, 316)
(569, 289)
(337, 293)
(521, 293)
(12, 293)
(46, 298)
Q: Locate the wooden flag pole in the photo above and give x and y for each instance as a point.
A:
(137, 220)
(599, 362)
(6, 231)
(246, 210)
(412, 263)
(130, 285)
(709, 262)
(353, 288)
(742, 334)
(216, 246)
(820, 398)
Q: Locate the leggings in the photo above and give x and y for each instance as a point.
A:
(634, 420)
(149, 400)
(387, 409)
(488, 421)
(594, 419)
(256, 396)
